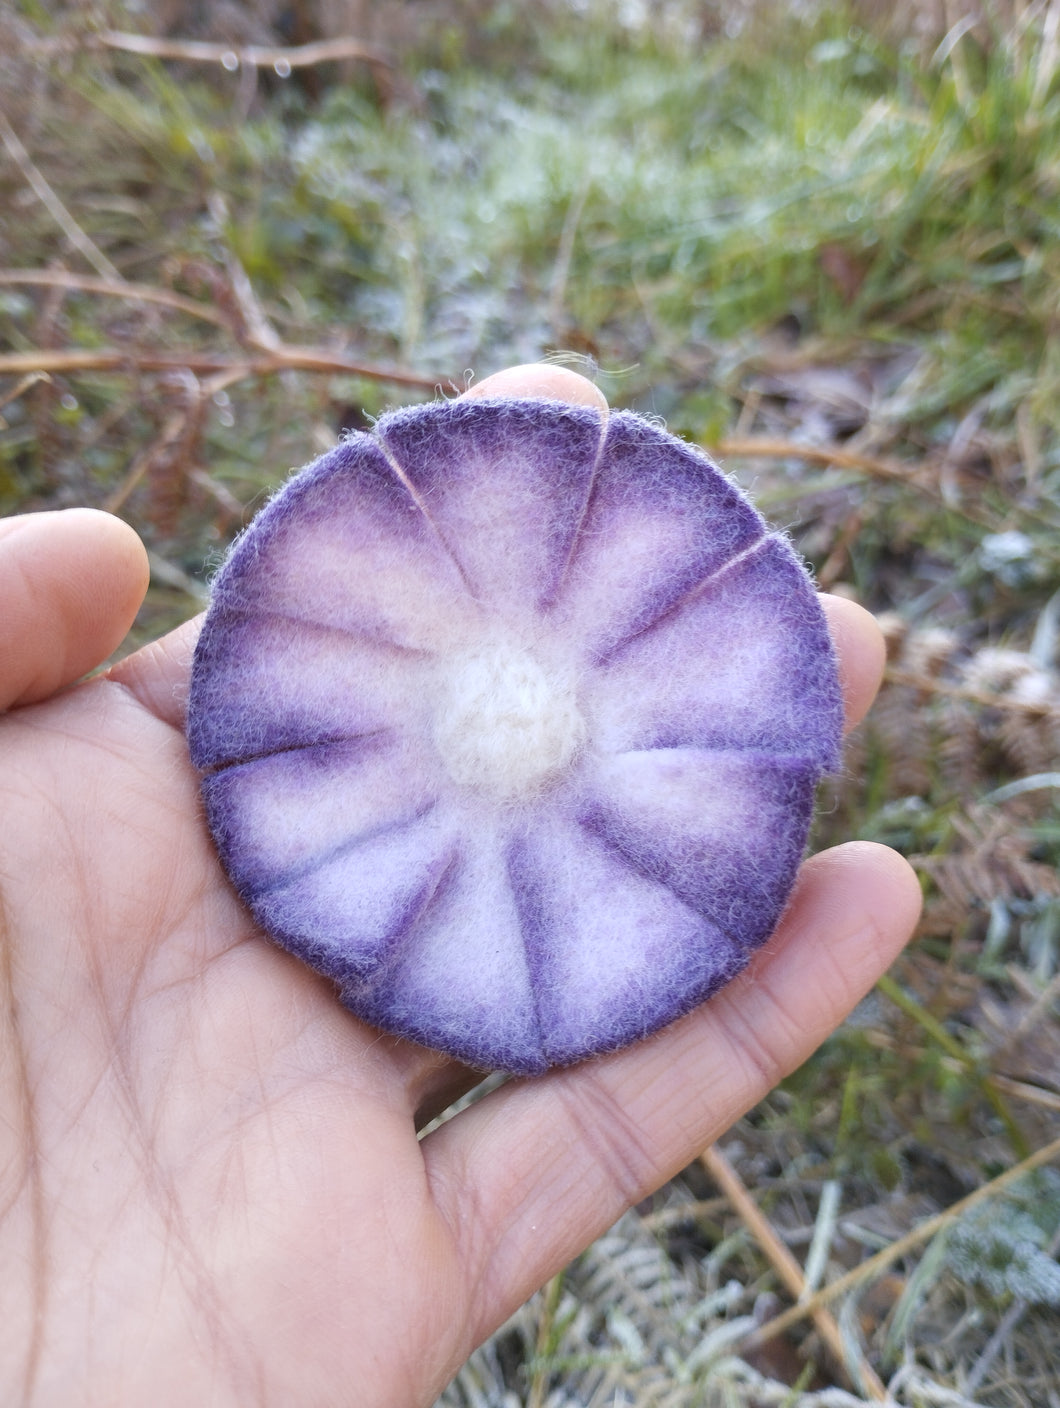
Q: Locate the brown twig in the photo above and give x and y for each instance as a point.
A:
(225, 499)
(54, 206)
(230, 56)
(789, 1270)
(283, 358)
(253, 55)
(884, 1258)
(136, 293)
(835, 456)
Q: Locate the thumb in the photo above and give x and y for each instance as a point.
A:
(70, 584)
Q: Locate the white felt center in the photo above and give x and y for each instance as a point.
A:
(503, 724)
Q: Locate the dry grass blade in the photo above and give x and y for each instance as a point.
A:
(753, 447)
(58, 211)
(789, 1270)
(908, 1243)
(21, 387)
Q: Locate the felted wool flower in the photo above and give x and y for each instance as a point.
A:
(510, 717)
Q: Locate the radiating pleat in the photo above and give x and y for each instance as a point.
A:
(505, 484)
(724, 831)
(279, 816)
(346, 547)
(346, 915)
(660, 519)
(613, 954)
(745, 663)
(459, 980)
(265, 682)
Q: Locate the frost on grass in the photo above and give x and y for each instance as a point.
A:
(510, 718)
(1007, 1246)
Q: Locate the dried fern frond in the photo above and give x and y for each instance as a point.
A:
(989, 858)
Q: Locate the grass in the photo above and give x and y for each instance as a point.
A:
(836, 253)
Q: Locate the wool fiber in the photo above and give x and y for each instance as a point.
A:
(509, 718)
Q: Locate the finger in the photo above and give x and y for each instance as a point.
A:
(159, 674)
(861, 652)
(541, 379)
(70, 583)
(549, 1164)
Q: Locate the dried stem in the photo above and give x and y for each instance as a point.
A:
(1019, 1089)
(176, 430)
(788, 1269)
(838, 457)
(21, 387)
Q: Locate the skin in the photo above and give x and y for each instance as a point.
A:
(211, 1188)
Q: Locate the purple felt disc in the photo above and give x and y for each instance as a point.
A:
(510, 718)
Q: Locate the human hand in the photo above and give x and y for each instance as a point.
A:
(211, 1187)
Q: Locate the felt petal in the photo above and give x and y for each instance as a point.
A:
(262, 683)
(344, 545)
(280, 816)
(345, 916)
(724, 831)
(745, 661)
(505, 484)
(661, 517)
(334, 848)
(613, 953)
(459, 980)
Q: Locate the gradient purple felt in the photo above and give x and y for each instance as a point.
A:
(505, 488)
(655, 525)
(510, 719)
(614, 953)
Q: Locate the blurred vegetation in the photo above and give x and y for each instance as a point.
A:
(821, 240)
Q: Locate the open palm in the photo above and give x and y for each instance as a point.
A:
(211, 1186)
